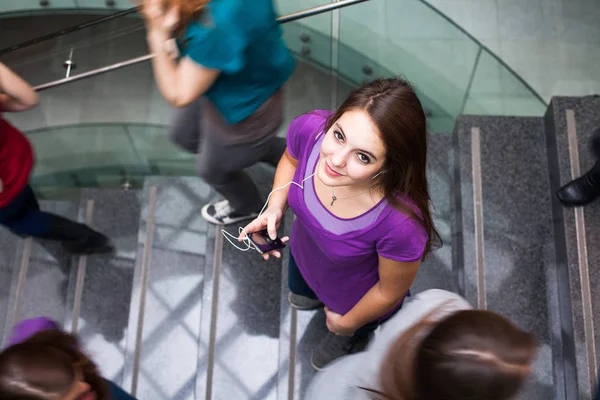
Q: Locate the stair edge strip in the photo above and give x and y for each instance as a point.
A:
(582, 255)
(478, 216)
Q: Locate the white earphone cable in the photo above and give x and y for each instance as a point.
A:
(246, 240)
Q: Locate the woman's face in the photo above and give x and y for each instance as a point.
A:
(352, 152)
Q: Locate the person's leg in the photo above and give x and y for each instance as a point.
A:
(222, 166)
(333, 347)
(24, 218)
(276, 150)
(186, 127)
(301, 296)
(226, 150)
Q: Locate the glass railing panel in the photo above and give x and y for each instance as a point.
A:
(35, 5)
(19, 6)
(404, 37)
(409, 38)
(104, 155)
(111, 129)
(90, 48)
(157, 151)
(105, 4)
(497, 91)
(310, 86)
(285, 7)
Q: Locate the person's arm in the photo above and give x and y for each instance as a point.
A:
(15, 93)
(395, 279)
(283, 174)
(180, 83)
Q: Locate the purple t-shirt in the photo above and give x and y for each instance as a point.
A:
(29, 327)
(338, 257)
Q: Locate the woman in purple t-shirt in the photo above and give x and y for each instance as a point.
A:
(362, 220)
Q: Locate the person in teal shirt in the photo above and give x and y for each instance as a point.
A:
(225, 76)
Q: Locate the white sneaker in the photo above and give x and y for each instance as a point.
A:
(221, 213)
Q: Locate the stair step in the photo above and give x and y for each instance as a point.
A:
(40, 275)
(248, 316)
(505, 225)
(570, 123)
(100, 285)
(166, 310)
(10, 245)
(437, 272)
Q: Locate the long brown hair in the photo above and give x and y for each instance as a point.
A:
(395, 109)
(45, 367)
(472, 354)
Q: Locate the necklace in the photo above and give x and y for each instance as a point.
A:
(334, 197)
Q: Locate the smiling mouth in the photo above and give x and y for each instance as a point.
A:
(330, 171)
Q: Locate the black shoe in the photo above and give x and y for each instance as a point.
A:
(579, 192)
(77, 238)
(332, 347)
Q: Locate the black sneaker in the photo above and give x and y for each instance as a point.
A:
(93, 243)
(221, 213)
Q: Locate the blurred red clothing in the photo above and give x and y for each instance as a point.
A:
(16, 162)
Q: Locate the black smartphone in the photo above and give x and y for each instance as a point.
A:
(263, 243)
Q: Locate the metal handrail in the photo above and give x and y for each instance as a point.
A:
(282, 20)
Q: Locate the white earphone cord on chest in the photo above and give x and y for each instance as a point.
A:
(246, 239)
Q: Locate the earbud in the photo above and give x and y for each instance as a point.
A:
(379, 173)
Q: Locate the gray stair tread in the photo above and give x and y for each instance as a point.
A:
(248, 317)
(9, 251)
(248, 325)
(587, 119)
(436, 271)
(517, 229)
(173, 306)
(46, 284)
(108, 279)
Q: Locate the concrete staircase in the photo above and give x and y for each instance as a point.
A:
(178, 313)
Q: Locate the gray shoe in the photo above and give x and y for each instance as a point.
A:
(303, 302)
(329, 349)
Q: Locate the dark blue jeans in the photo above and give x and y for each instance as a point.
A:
(24, 217)
(298, 285)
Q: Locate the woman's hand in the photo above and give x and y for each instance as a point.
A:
(270, 219)
(335, 324)
(159, 18)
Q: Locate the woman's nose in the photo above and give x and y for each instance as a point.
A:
(338, 159)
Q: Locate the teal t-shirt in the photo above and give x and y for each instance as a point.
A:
(242, 39)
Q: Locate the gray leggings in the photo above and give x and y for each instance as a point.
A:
(224, 150)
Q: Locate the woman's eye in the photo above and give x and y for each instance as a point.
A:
(363, 158)
(338, 136)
